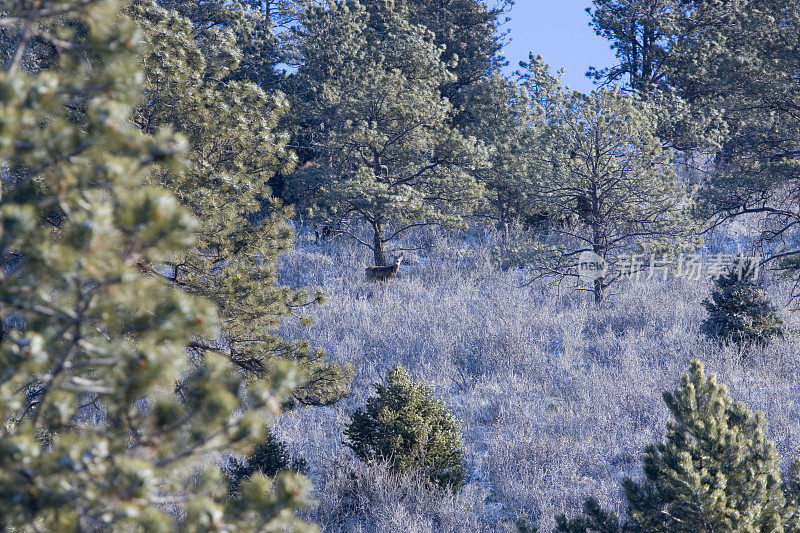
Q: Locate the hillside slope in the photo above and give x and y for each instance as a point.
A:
(557, 399)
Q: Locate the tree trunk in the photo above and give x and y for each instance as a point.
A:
(378, 244)
(598, 247)
(504, 231)
(600, 291)
(502, 222)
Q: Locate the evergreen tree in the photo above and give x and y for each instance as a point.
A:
(739, 311)
(252, 26)
(715, 471)
(725, 76)
(543, 88)
(512, 119)
(469, 34)
(377, 132)
(269, 458)
(594, 520)
(406, 426)
(742, 67)
(640, 32)
(235, 148)
(649, 37)
(503, 116)
(106, 423)
(611, 182)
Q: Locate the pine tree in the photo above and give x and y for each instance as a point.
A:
(594, 520)
(251, 24)
(235, 147)
(611, 182)
(502, 115)
(640, 32)
(742, 67)
(715, 471)
(647, 36)
(406, 426)
(511, 118)
(739, 311)
(376, 131)
(468, 31)
(106, 423)
(725, 74)
(270, 457)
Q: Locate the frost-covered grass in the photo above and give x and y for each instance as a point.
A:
(557, 399)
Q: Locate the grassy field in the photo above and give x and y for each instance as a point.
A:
(557, 399)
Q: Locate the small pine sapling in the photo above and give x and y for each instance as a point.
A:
(268, 458)
(714, 471)
(406, 426)
(739, 311)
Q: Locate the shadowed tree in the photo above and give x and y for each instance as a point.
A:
(739, 311)
(511, 119)
(235, 147)
(107, 425)
(594, 520)
(270, 458)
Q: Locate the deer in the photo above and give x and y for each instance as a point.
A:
(382, 273)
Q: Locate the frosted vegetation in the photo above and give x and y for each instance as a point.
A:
(557, 398)
(173, 357)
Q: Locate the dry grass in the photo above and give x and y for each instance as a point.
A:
(557, 398)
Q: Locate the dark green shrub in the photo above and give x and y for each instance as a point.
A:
(739, 311)
(268, 458)
(594, 520)
(406, 426)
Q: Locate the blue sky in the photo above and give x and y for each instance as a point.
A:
(557, 30)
